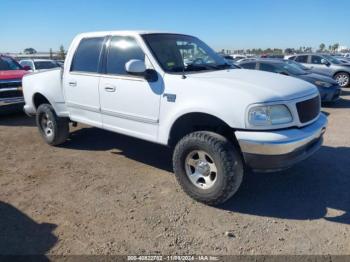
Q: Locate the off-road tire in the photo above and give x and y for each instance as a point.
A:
(60, 125)
(227, 160)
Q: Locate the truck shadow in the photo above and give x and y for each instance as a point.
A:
(16, 119)
(316, 188)
(341, 103)
(345, 92)
(304, 192)
(101, 140)
(20, 235)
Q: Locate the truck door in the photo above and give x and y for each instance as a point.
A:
(129, 103)
(81, 82)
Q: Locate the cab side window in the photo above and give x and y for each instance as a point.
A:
(87, 55)
(122, 49)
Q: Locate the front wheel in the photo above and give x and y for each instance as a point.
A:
(54, 129)
(343, 79)
(208, 167)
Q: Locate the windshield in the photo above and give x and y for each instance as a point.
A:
(332, 59)
(7, 63)
(44, 65)
(178, 53)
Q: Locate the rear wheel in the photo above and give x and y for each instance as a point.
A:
(343, 79)
(54, 129)
(208, 167)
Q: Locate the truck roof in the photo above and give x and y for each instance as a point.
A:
(122, 32)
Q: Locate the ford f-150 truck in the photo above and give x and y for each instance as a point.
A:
(11, 74)
(219, 120)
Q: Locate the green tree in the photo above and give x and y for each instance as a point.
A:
(289, 51)
(29, 51)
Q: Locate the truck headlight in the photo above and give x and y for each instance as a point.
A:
(269, 115)
(323, 84)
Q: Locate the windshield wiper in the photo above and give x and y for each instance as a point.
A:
(194, 67)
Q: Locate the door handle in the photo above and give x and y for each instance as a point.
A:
(72, 83)
(110, 88)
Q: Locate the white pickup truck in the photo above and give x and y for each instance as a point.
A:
(219, 120)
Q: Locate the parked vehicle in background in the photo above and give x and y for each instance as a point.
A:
(236, 57)
(229, 60)
(343, 59)
(245, 60)
(218, 120)
(325, 65)
(59, 62)
(11, 74)
(36, 65)
(271, 56)
(328, 88)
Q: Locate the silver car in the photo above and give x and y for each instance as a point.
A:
(326, 65)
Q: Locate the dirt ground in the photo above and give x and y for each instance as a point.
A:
(104, 193)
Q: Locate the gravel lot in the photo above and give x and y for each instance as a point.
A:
(103, 193)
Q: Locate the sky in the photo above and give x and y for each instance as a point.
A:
(223, 24)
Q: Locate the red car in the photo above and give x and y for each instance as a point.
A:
(11, 74)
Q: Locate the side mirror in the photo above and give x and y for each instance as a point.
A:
(135, 67)
(27, 68)
(138, 68)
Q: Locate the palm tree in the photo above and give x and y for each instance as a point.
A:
(322, 47)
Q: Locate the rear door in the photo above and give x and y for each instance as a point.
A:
(81, 82)
(129, 103)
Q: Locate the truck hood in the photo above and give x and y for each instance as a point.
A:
(12, 74)
(263, 86)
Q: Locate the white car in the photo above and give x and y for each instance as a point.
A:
(219, 121)
(36, 65)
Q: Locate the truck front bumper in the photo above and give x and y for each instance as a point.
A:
(10, 96)
(269, 151)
